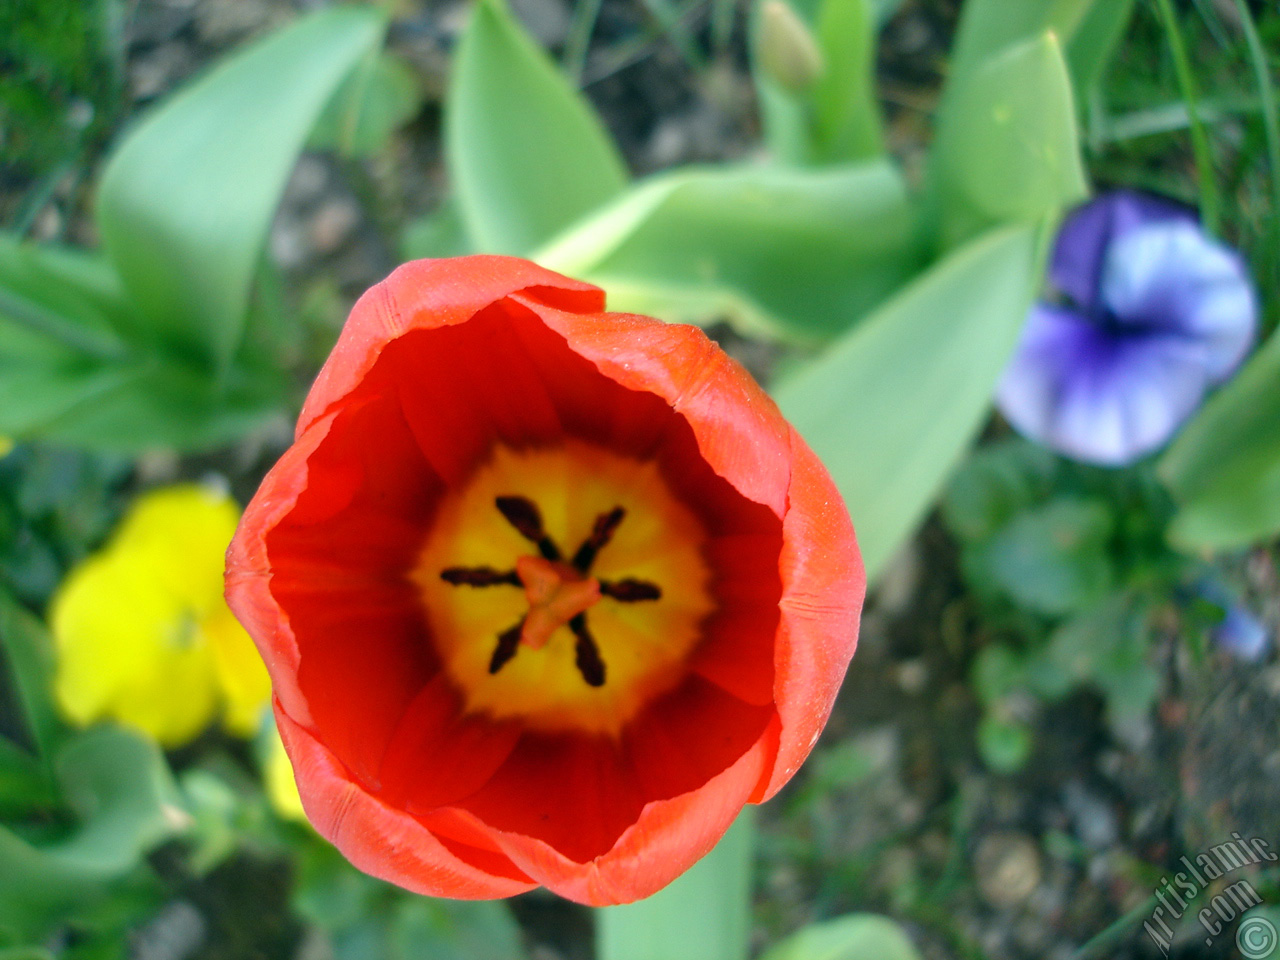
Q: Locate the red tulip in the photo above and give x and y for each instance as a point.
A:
(547, 594)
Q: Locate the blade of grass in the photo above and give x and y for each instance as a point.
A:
(1270, 115)
(583, 24)
(1209, 201)
(669, 18)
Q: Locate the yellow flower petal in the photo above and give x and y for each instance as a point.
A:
(142, 632)
(240, 672)
(125, 650)
(181, 534)
(282, 788)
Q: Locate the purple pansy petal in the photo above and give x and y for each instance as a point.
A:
(1078, 389)
(1171, 278)
(1242, 634)
(1081, 249)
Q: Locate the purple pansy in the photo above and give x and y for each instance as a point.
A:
(1152, 313)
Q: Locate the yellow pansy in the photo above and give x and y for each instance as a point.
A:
(142, 633)
(282, 788)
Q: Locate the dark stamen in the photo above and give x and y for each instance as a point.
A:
(601, 533)
(508, 644)
(523, 514)
(479, 577)
(586, 653)
(630, 590)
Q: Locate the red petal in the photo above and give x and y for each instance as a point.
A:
(424, 295)
(739, 430)
(667, 838)
(438, 755)
(378, 839)
(823, 584)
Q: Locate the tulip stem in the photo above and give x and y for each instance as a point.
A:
(1200, 146)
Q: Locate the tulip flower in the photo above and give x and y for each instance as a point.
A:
(1153, 313)
(141, 630)
(547, 594)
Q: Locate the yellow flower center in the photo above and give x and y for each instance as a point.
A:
(565, 587)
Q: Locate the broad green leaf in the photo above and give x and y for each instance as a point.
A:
(377, 98)
(858, 936)
(439, 234)
(152, 405)
(1094, 40)
(118, 786)
(801, 253)
(893, 404)
(526, 154)
(24, 782)
(186, 200)
(1009, 148)
(1224, 468)
(706, 913)
(66, 298)
(29, 654)
(131, 405)
(987, 27)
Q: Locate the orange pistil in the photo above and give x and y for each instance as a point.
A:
(556, 593)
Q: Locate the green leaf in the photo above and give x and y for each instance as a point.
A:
(29, 654)
(1094, 40)
(186, 201)
(857, 936)
(800, 253)
(993, 485)
(439, 234)
(132, 405)
(526, 154)
(375, 100)
(706, 913)
(1224, 468)
(61, 297)
(997, 672)
(847, 124)
(987, 27)
(118, 786)
(1054, 559)
(150, 405)
(1005, 744)
(1008, 146)
(893, 405)
(434, 929)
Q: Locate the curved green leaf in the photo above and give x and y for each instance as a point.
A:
(526, 154)
(1224, 468)
(377, 98)
(802, 253)
(29, 654)
(186, 200)
(119, 787)
(892, 406)
(1009, 148)
(988, 26)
